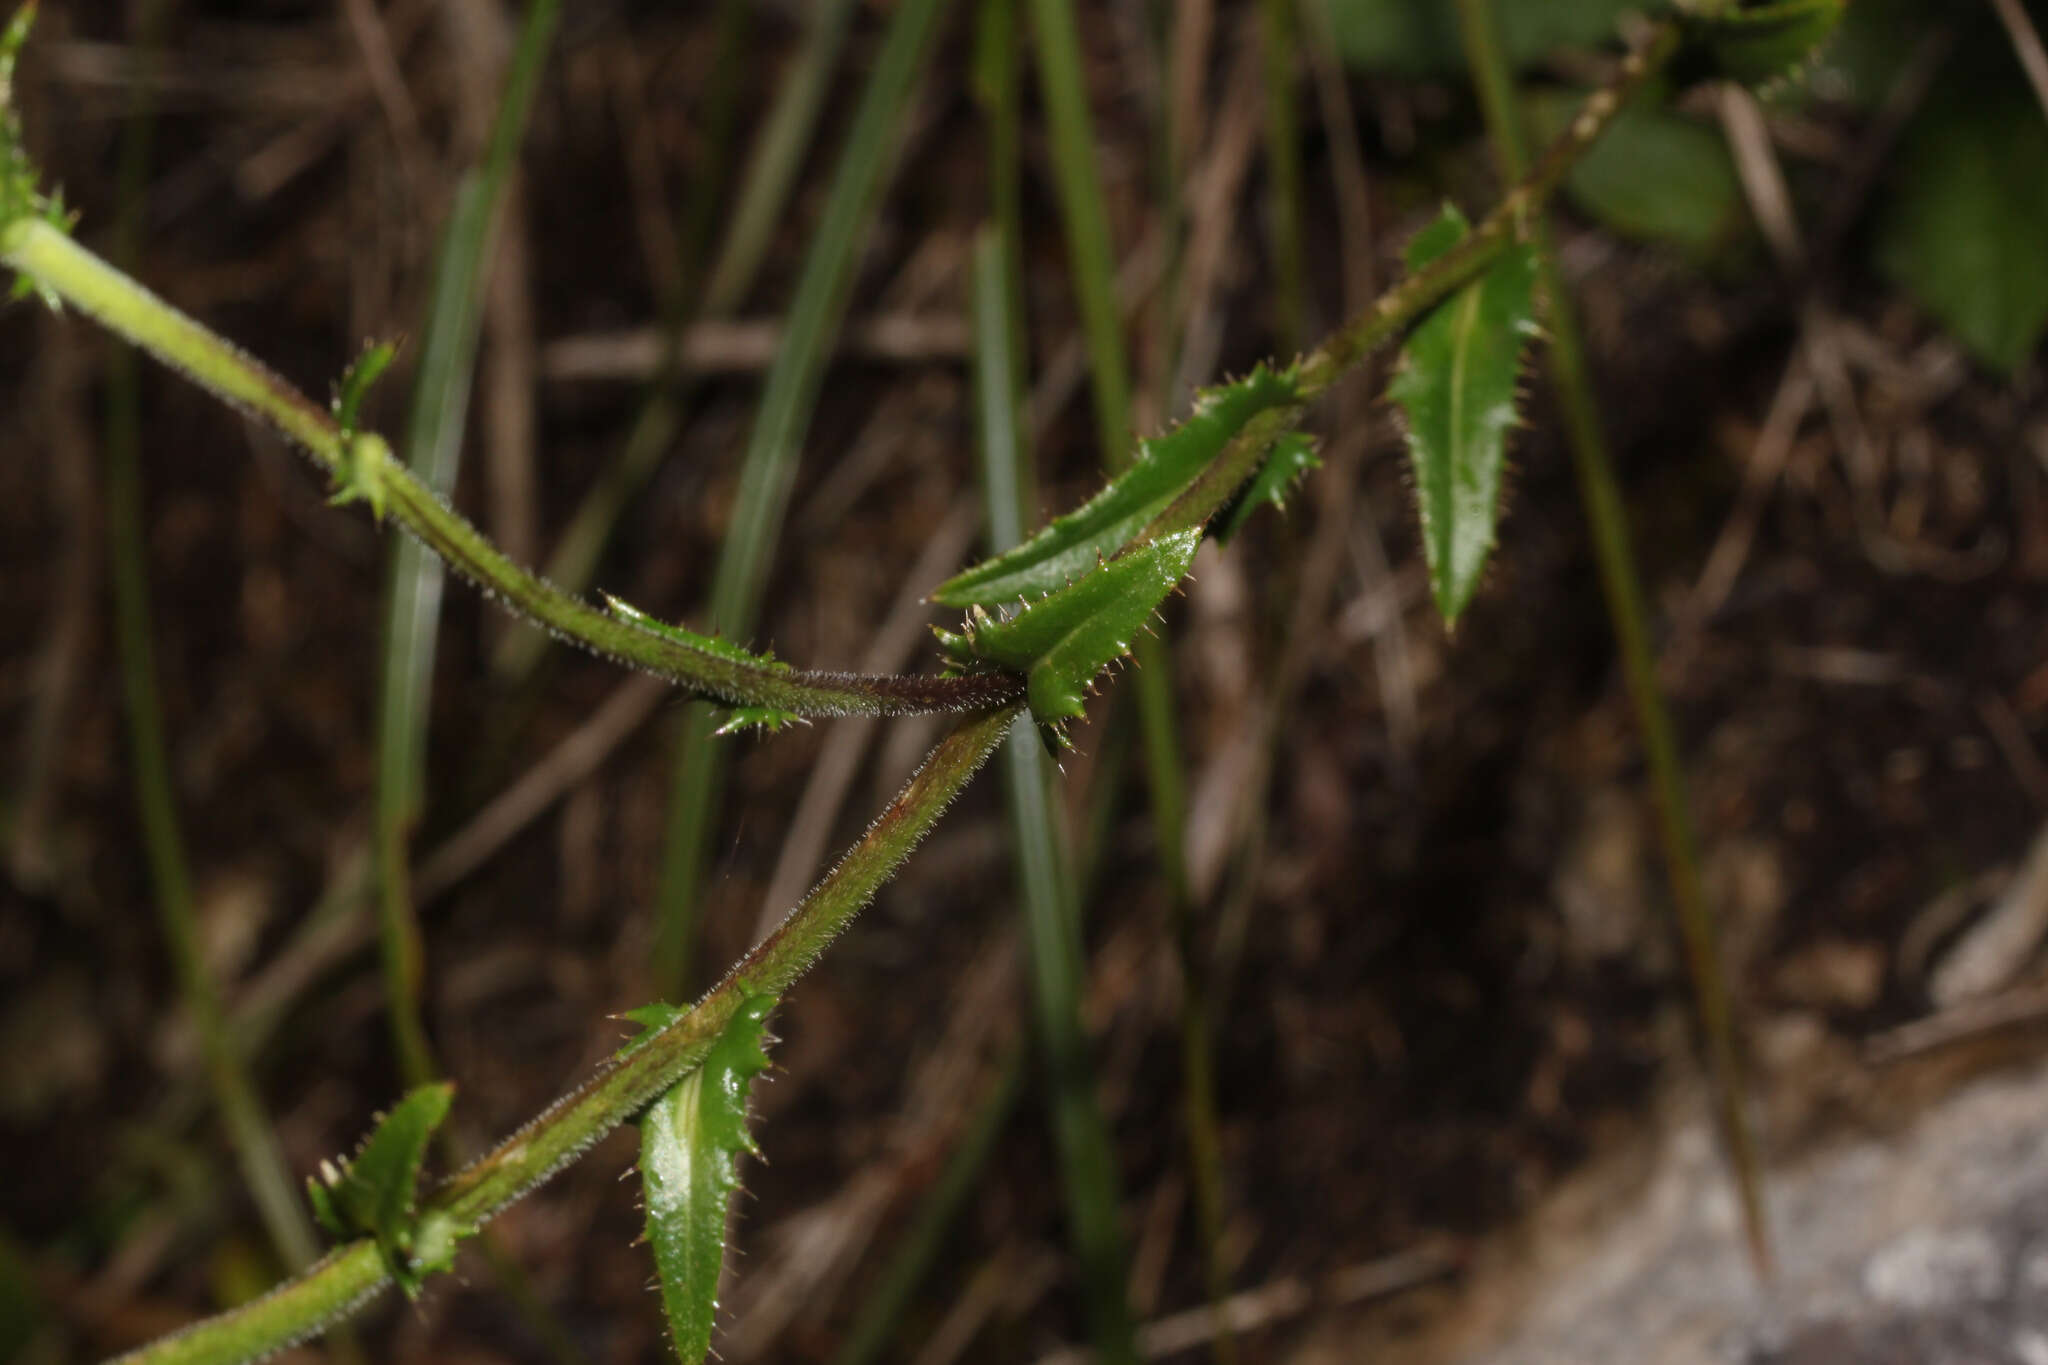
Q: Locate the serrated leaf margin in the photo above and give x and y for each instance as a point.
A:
(690, 1138)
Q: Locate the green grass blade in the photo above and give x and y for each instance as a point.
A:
(762, 199)
(1283, 171)
(766, 471)
(875, 1320)
(1052, 911)
(432, 447)
(999, 362)
(1065, 94)
(234, 1093)
(1607, 519)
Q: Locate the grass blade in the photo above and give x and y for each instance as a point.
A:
(766, 471)
(234, 1093)
(763, 198)
(1607, 519)
(1052, 912)
(1283, 171)
(432, 445)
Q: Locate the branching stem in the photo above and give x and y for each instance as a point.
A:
(364, 464)
(352, 1275)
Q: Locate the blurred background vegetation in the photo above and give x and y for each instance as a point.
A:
(1415, 879)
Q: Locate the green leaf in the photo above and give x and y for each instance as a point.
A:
(1457, 389)
(356, 380)
(1074, 544)
(1756, 44)
(769, 718)
(1292, 456)
(652, 1019)
(374, 1193)
(689, 1139)
(708, 644)
(1421, 39)
(1963, 228)
(1653, 174)
(1065, 639)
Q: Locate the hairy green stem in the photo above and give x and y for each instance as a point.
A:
(353, 1274)
(53, 261)
(1621, 586)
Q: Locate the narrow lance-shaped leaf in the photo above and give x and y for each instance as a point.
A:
(1457, 389)
(1292, 456)
(363, 455)
(1071, 546)
(1063, 640)
(740, 717)
(689, 1139)
(375, 1192)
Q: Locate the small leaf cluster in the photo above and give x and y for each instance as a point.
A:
(365, 456)
(375, 1193)
(20, 196)
(1065, 604)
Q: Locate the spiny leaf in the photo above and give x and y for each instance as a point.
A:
(709, 644)
(1457, 388)
(1757, 43)
(374, 1192)
(652, 1019)
(1071, 545)
(770, 718)
(689, 1139)
(1063, 640)
(1292, 456)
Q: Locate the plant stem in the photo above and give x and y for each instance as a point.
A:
(55, 262)
(353, 1274)
(1607, 519)
(1406, 302)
